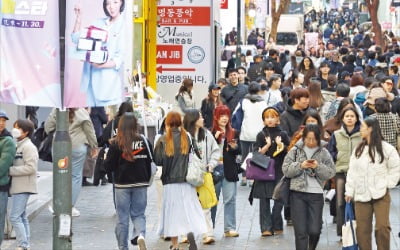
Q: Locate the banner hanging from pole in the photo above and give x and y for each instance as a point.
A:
(98, 52)
(29, 52)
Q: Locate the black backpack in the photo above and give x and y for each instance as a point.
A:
(43, 142)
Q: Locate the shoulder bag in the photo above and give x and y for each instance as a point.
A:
(196, 168)
(253, 172)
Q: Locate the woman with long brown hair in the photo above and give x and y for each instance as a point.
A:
(184, 99)
(316, 99)
(181, 213)
(129, 159)
(307, 68)
(209, 103)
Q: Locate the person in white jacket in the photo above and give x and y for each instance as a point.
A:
(373, 170)
(253, 105)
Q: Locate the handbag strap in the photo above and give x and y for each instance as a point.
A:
(147, 146)
(206, 148)
(349, 216)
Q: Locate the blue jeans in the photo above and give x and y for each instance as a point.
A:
(229, 196)
(130, 202)
(19, 220)
(3, 210)
(77, 162)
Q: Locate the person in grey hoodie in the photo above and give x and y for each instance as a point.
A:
(309, 165)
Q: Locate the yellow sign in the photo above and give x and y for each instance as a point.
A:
(7, 6)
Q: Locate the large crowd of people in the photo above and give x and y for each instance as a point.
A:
(327, 117)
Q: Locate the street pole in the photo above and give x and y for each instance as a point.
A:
(238, 40)
(62, 183)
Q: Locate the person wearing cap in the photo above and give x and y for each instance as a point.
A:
(7, 154)
(358, 70)
(396, 61)
(209, 103)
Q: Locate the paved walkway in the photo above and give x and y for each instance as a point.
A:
(94, 229)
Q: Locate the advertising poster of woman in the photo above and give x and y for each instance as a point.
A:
(98, 46)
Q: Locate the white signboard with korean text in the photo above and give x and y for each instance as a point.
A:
(184, 46)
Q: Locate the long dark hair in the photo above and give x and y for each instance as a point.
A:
(375, 141)
(186, 86)
(314, 114)
(124, 107)
(189, 123)
(127, 133)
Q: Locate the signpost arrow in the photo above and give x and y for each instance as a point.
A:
(160, 69)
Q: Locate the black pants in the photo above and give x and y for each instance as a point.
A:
(340, 202)
(306, 211)
(270, 221)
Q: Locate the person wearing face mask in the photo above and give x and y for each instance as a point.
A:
(292, 63)
(7, 154)
(23, 172)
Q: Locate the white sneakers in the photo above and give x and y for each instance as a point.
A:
(141, 243)
(75, 212)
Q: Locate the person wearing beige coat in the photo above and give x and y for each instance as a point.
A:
(82, 135)
(23, 180)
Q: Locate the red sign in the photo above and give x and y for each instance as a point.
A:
(169, 54)
(224, 4)
(184, 16)
(160, 69)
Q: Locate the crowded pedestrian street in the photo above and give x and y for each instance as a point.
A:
(94, 229)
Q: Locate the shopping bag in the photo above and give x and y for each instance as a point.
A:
(244, 163)
(206, 192)
(253, 172)
(349, 241)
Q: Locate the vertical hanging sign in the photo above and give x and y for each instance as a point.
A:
(29, 52)
(98, 41)
(184, 42)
